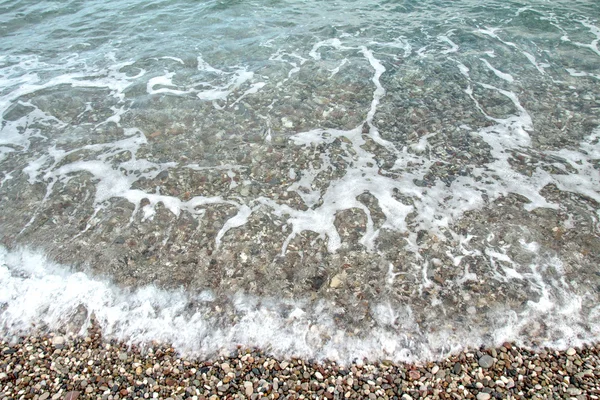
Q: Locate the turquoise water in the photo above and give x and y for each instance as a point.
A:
(325, 179)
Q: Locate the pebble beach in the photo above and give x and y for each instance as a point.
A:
(54, 366)
(371, 200)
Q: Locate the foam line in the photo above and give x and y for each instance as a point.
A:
(36, 291)
(499, 74)
(446, 39)
(593, 46)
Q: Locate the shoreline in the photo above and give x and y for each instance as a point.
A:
(43, 366)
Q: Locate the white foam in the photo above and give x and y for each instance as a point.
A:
(436, 206)
(38, 292)
(335, 43)
(164, 80)
(253, 89)
(217, 85)
(240, 219)
(573, 72)
(491, 32)
(593, 45)
(533, 61)
(176, 59)
(499, 74)
(463, 68)
(337, 69)
(446, 39)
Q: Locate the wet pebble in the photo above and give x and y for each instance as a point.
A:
(486, 361)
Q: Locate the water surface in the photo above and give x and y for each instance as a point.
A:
(335, 180)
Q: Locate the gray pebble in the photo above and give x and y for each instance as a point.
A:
(486, 361)
(457, 367)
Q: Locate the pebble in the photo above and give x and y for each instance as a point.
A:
(58, 341)
(486, 361)
(571, 352)
(483, 396)
(456, 368)
(248, 388)
(336, 281)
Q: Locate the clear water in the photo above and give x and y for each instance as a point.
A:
(322, 179)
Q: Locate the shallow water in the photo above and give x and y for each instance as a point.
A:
(373, 179)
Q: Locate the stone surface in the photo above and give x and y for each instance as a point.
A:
(486, 361)
(256, 374)
(58, 341)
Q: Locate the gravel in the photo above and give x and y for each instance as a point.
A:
(42, 366)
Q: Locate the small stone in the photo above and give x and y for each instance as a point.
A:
(225, 367)
(71, 395)
(486, 361)
(483, 396)
(123, 356)
(414, 374)
(336, 281)
(456, 368)
(435, 370)
(139, 370)
(223, 388)
(573, 391)
(58, 341)
(3, 376)
(44, 396)
(571, 352)
(319, 376)
(249, 388)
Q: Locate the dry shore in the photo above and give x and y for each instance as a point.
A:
(51, 366)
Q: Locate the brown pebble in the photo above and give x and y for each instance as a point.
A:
(414, 374)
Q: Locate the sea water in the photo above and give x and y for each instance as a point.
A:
(340, 180)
